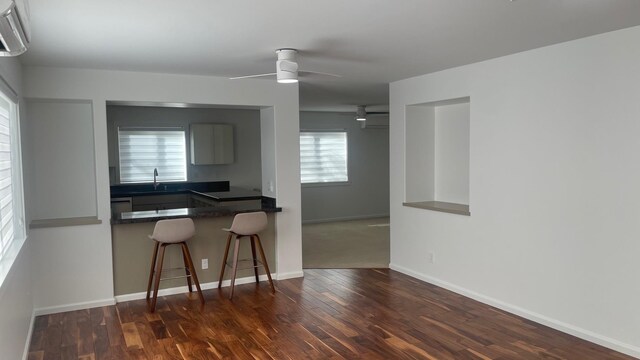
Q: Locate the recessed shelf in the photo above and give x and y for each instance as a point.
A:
(437, 155)
(452, 208)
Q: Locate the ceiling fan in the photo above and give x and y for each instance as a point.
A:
(287, 68)
(361, 113)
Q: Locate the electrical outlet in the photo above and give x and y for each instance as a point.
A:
(432, 258)
(205, 264)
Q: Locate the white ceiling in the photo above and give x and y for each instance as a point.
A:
(369, 42)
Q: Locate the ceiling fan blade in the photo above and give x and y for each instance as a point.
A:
(251, 76)
(304, 72)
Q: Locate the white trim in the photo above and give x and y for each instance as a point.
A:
(25, 353)
(290, 275)
(185, 289)
(530, 315)
(74, 306)
(344, 218)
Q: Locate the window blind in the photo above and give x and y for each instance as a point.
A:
(143, 150)
(323, 157)
(6, 188)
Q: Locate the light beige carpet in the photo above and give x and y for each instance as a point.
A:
(346, 244)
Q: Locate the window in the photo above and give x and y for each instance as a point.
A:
(11, 204)
(143, 150)
(323, 157)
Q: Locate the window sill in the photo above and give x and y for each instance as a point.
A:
(77, 221)
(451, 208)
(324, 184)
(8, 259)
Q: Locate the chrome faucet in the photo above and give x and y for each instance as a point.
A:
(155, 183)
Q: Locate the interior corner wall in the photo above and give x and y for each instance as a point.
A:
(16, 301)
(73, 265)
(420, 148)
(553, 232)
(367, 192)
(452, 153)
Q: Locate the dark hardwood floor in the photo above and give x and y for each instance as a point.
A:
(330, 314)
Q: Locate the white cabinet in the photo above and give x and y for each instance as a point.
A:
(211, 144)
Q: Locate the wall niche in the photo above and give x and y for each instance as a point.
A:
(437, 155)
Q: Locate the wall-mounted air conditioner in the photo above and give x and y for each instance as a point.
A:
(376, 122)
(14, 37)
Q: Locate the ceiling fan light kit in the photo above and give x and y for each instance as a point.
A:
(287, 66)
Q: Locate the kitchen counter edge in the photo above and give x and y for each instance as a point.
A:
(205, 212)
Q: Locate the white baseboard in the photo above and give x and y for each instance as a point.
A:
(530, 315)
(25, 353)
(345, 218)
(185, 289)
(73, 307)
(290, 275)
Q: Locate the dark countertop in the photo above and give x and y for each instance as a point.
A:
(216, 190)
(128, 190)
(233, 194)
(219, 191)
(204, 212)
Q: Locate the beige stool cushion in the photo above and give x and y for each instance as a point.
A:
(248, 223)
(173, 230)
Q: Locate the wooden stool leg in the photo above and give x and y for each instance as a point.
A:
(158, 276)
(264, 262)
(153, 267)
(234, 269)
(187, 271)
(187, 255)
(255, 261)
(224, 260)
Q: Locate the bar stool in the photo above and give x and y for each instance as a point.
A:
(246, 224)
(165, 233)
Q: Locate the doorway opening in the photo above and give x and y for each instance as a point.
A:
(345, 191)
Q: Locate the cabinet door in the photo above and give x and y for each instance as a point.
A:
(211, 144)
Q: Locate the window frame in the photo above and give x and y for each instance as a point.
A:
(347, 165)
(152, 128)
(10, 252)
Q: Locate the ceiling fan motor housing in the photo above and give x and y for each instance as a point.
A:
(286, 66)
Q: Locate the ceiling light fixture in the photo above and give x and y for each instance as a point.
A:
(287, 66)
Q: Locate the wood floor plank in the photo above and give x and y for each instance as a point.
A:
(85, 334)
(131, 336)
(329, 314)
(36, 355)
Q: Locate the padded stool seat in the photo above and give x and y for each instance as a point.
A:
(165, 233)
(246, 225)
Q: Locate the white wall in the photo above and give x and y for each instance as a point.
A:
(16, 306)
(245, 171)
(85, 251)
(367, 192)
(554, 190)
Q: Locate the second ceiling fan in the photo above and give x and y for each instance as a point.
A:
(361, 113)
(287, 70)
